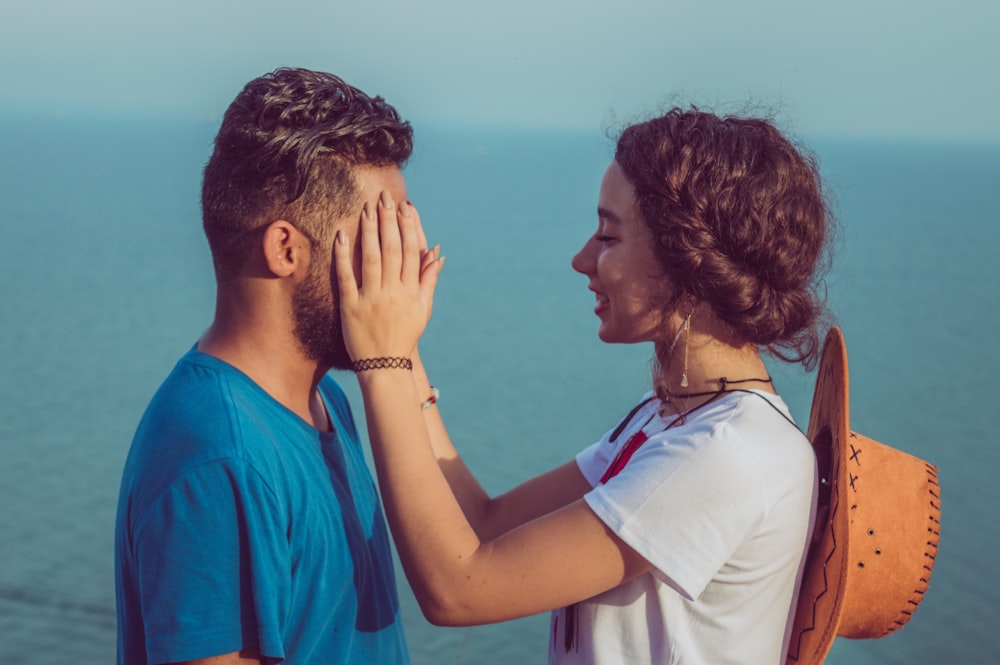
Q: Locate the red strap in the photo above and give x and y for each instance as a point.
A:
(624, 455)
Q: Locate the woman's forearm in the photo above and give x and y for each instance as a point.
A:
(489, 516)
(433, 535)
(471, 496)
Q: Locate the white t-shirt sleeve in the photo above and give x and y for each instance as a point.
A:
(594, 460)
(685, 501)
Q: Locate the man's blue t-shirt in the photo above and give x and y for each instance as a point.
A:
(240, 525)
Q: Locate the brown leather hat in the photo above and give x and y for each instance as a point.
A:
(877, 526)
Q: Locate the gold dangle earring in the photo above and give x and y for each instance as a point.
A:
(686, 328)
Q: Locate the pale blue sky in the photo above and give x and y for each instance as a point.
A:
(868, 68)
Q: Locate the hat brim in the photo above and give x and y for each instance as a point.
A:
(822, 589)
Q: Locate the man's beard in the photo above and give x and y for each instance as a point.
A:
(317, 322)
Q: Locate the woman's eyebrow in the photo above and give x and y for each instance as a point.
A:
(607, 215)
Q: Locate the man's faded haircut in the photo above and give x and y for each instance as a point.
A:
(287, 149)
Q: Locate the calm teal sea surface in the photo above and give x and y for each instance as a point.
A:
(107, 281)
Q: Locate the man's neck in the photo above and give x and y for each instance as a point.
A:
(273, 360)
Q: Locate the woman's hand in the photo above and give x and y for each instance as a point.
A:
(385, 315)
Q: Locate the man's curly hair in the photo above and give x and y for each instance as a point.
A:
(287, 148)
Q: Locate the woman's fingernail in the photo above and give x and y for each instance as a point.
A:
(341, 238)
(386, 200)
(364, 211)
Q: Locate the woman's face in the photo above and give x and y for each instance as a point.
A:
(618, 259)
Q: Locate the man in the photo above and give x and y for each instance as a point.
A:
(249, 529)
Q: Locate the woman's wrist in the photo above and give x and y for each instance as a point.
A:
(430, 395)
(419, 373)
(382, 362)
(367, 368)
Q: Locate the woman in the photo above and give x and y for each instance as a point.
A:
(678, 537)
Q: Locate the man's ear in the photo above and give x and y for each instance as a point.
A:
(286, 249)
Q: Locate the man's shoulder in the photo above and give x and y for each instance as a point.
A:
(198, 392)
(198, 414)
(205, 415)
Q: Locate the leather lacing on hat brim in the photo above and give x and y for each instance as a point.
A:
(933, 538)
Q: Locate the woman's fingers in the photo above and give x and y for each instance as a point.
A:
(427, 256)
(430, 260)
(412, 265)
(344, 267)
(391, 246)
(428, 280)
(411, 211)
(385, 308)
(391, 241)
(371, 253)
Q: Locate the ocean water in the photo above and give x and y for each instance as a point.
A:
(107, 281)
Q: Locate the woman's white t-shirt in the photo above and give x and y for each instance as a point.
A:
(721, 505)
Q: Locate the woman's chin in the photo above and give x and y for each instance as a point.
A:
(608, 336)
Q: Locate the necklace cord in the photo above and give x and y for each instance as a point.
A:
(636, 440)
(627, 419)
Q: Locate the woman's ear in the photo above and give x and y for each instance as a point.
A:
(285, 248)
(685, 304)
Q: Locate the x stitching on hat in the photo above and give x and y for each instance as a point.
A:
(856, 458)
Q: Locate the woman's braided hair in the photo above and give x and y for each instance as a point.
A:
(739, 221)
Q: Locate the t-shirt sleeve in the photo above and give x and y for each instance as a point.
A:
(684, 502)
(212, 562)
(594, 460)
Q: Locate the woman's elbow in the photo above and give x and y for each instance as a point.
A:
(448, 610)
(442, 619)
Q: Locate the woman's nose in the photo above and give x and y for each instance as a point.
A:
(583, 260)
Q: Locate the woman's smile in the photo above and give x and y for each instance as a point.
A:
(625, 277)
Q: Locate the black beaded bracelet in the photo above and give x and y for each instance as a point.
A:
(393, 362)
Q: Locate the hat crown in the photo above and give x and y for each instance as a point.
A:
(889, 558)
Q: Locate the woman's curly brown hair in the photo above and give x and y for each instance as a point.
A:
(739, 221)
